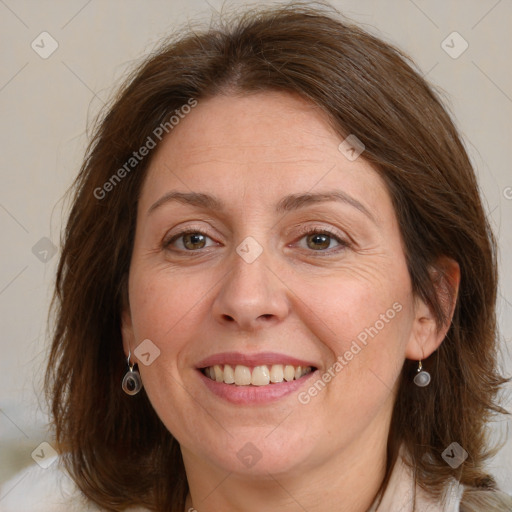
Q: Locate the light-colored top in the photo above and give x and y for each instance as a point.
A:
(400, 494)
(51, 490)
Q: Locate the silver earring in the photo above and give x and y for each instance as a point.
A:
(132, 383)
(422, 377)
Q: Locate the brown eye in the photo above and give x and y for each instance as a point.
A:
(194, 240)
(188, 241)
(320, 240)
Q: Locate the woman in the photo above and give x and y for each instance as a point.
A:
(277, 286)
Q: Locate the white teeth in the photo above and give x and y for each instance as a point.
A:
(219, 376)
(229, 374)
(260, 376)
(257, 376)
(276, 373)
(242, 375)
(289, 373)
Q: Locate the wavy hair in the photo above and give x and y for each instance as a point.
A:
(117, 449)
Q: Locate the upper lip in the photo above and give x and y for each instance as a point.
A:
(262, 358)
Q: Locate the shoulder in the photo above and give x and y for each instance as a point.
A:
(35, 489)
(482, 500)
(405, 494)
(409, 496)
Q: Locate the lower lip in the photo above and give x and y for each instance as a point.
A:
(242, 395)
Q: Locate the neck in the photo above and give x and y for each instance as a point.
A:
(349, 480)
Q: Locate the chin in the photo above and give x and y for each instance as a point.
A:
(259, 453)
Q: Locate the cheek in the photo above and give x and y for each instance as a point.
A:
(365, 325)
(163, 307)
(161, 304)
(346, 307)
(367, 345)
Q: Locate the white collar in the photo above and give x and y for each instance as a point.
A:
(402, 495)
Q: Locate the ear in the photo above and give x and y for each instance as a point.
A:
(426, 334)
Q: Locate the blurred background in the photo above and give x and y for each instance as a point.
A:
(61, 61)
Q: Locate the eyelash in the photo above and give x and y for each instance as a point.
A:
(304, 231)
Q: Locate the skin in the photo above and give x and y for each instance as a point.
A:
(297, 298)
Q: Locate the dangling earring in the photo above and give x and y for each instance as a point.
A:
(422, 377)
(132, 383)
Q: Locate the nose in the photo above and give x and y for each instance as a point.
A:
(252, 294)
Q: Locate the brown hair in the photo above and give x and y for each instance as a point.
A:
(118, 451)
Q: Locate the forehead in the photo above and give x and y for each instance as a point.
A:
(264, 145)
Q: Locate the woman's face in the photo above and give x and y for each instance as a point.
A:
(250, 286)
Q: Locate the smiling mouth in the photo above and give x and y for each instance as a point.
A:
(263, 375)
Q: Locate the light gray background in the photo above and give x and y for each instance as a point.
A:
(46, 104)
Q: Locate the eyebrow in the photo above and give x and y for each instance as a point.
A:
(286, 204)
